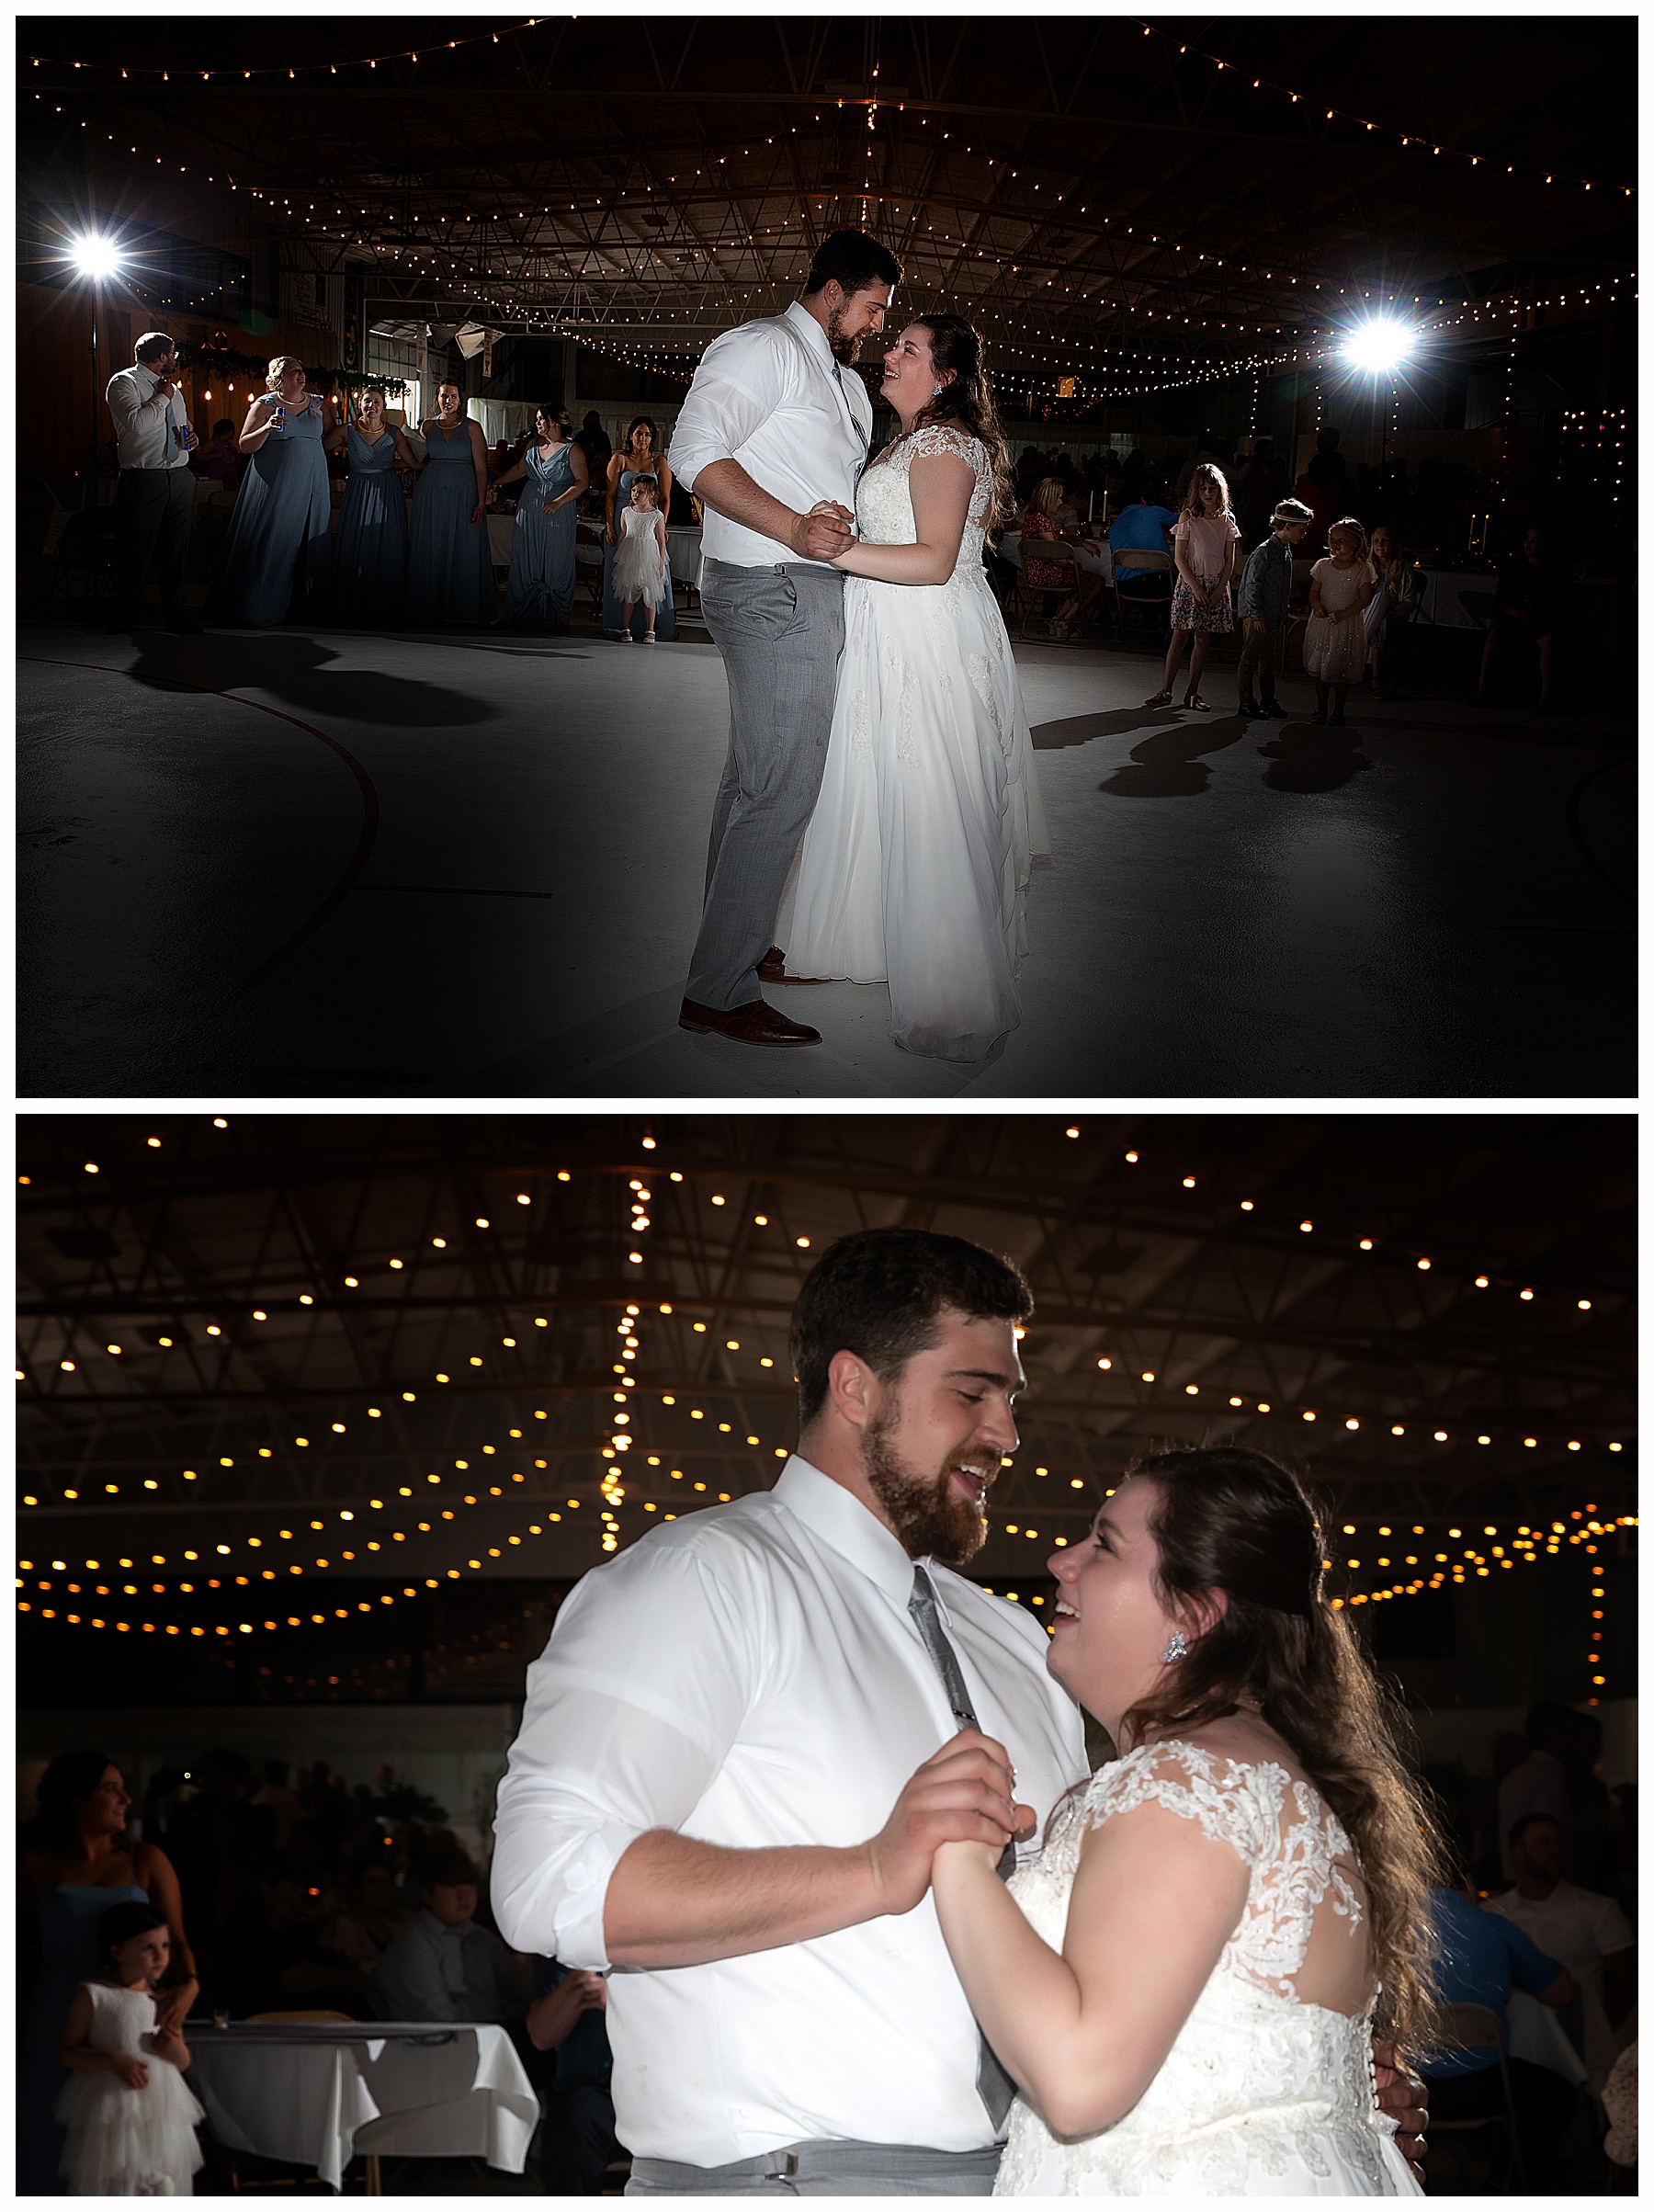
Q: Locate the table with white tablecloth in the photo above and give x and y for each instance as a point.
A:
(1463, 599)
(684, 553)
(319, 2096)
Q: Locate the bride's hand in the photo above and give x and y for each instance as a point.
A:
(966, 1793)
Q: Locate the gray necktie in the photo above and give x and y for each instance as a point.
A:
(995, 2085)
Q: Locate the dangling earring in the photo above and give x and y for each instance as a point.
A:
(1177, 1649)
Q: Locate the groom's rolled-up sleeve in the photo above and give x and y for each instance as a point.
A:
(741, 379)
(629, 1713)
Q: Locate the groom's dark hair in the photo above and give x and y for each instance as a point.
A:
(851, 259)
(878, 1293)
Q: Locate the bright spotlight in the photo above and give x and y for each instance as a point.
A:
(95, 257)
(1379, 346)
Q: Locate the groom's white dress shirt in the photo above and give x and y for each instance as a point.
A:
(751, 1676)
(771, 396)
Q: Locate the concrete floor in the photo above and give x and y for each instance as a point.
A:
(284, 864)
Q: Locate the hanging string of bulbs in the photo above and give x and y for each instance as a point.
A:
(1422, 140)
(283, 70)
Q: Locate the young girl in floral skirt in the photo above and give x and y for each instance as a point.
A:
(1204, 546)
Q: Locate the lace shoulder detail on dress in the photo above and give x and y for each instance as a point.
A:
(943, 437)
(1235, 1804)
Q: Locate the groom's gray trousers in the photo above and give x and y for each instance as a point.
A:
(780, 631)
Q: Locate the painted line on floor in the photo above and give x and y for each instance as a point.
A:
(365, 837)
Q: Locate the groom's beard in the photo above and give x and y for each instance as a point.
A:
(930, 1519)
(843, 348)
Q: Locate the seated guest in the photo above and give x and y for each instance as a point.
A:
(1531, 603)
(1587, 1932)
(566, 2022)
(274, 1957)
(217, 458)
(1480, 1956)
(1537, 1783)
(370, 1918)
(445, 1967)
(1043, 517)
(1142, 525)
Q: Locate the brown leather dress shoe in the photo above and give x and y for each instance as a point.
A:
(772, 969)
(756, 1023)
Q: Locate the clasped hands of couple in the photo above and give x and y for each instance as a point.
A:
(824, 534)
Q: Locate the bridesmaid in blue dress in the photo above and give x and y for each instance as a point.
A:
(75, 1864)
(638, 457)
(277, 563)
(370, 559)
(450, 569)
(540, 591)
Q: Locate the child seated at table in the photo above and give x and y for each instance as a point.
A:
(130, 2122)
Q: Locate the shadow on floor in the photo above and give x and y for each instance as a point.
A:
(296, 669)
(1303, 758)
(1080, 728)
(1170, 765)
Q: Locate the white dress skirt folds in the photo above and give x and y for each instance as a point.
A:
(915, 869)
(121, 2142)
(1260, 2095)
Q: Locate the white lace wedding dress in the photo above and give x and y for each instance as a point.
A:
(1260, 2095)
(915, 866)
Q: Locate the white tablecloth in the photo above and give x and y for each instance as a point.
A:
(1537, 2036)
(683, 554)
(318, 2103)
(499, 528)
(1453, 599)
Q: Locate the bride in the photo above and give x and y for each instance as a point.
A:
(1184, 1984)
(915, 865)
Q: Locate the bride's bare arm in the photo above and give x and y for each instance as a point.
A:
(940, 485)
(1084, 2031)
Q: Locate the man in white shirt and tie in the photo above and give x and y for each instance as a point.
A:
(772, 436)
(154, 497)
(700, 1797)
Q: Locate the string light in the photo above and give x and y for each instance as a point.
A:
(1418, 139)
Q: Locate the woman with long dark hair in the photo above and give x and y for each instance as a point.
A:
(1185, 1984)
(75, 1863)
(914, 869)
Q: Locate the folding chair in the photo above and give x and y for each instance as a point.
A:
(1475, 2027)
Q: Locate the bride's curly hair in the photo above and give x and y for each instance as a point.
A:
(1234, 1520)
(967, 400)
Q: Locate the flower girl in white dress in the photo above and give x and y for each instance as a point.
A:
(915, 865)
(130, 2122)
(1184, 1984)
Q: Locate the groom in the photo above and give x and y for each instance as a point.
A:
(771, 438)
(725, 1789)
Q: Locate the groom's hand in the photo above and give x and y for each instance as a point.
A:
(966, 1793)
(1406, 2100)
(821, 535)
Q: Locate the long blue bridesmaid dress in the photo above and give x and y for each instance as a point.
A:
(665, 619)
(371, 556)
(451, 569)
(69, 1915)
(277, 563)
(539, 590)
